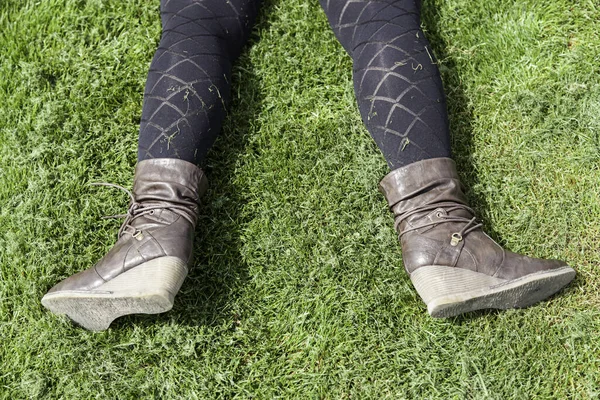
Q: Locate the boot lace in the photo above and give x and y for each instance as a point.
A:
(137, 210)
(470, 224)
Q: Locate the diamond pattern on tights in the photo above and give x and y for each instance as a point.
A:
(397, 85)
(396, 80)
(188, 82)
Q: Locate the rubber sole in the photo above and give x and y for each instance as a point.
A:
(149, 288)
(449, 291)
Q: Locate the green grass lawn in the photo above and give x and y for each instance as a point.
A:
(298, 288)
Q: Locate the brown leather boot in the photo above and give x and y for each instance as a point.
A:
(145, 268)
(452, 263)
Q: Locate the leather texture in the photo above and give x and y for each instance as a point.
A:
(429, 206)
(160, 222)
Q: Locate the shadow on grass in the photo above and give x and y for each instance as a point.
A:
(460, 115)
(219, 273)
(461, 127)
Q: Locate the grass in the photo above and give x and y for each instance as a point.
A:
(298, 289)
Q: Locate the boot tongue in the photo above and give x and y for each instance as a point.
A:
(162, 216)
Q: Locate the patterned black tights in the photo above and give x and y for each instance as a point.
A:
(189, 80)
(396, 80)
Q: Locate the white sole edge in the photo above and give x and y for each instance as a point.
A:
(149, 288)
(449, 291)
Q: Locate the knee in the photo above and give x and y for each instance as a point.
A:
(188, 16)
(210, 17)
(385, 22)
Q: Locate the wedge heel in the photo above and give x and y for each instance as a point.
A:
(449, 291)
(149, 288)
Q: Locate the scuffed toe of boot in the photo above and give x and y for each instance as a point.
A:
(517, 265)
(454, 266)
(81, 281)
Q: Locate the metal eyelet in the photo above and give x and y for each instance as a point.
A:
(438, 214)
(456, 238)
(138, 235)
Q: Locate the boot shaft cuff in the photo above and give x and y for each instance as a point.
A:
(410, 182)
(169, 179)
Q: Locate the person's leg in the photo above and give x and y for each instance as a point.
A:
(184, 105)
(452, 263)
(188, 84)
(396, 80)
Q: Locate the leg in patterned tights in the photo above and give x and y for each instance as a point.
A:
(396, 80)
(189, 80)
